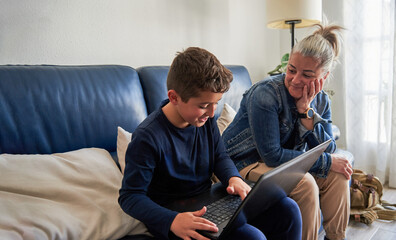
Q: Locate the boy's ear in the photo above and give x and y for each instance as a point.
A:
(173, 96)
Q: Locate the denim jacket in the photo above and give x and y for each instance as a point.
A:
(266, 128)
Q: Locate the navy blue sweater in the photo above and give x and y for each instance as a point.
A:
(164, 163)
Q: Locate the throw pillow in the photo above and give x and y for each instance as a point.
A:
(226, 117)
(123, 139)
(72, 195)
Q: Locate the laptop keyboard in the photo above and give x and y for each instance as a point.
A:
(222, 209)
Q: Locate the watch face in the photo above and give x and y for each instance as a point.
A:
(310, 113)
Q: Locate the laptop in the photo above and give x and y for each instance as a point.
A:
(269, 189)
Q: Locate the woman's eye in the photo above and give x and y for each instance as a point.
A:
(291, 70)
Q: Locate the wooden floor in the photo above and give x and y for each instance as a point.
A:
(378, 230)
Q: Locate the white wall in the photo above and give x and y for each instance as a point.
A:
(334, 13)
(136, 32)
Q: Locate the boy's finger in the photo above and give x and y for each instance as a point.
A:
(200, 212)
(230, 190)
(207, 226)
(243, 194)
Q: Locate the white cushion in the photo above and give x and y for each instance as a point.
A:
(71, 195)
(226, 117)
(123, 139)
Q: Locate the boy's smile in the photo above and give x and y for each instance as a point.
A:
(196, 111)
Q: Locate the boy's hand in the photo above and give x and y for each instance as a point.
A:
(185, 225)
(236, 186)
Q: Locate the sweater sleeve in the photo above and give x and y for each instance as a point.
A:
(140, 163)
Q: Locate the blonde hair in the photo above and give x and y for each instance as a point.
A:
(323, 44)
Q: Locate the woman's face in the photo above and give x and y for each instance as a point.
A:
(301, 71)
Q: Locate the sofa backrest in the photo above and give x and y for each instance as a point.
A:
(49, 109)
(153, 79)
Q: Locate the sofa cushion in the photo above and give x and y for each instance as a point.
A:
(71, 195)
(153, 80)
(48, 109)
(239, 85)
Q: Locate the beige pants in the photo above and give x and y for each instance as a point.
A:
(312, 194)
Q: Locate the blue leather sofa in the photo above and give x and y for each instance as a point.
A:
(48, 109)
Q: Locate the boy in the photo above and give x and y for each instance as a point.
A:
(174, 152)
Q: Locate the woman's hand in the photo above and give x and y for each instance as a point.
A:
(185, 225)
(236, 186)
(309, 93)
(341, 165)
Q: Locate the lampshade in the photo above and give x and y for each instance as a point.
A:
(309, 12)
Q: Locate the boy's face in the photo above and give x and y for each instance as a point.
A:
(197, 110)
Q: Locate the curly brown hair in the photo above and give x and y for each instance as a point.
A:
(195, 70)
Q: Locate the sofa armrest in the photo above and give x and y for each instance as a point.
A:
(348, 155)
(336, 132)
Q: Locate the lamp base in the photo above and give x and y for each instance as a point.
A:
(292, 24)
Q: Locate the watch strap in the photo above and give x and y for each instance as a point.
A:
(308, 114)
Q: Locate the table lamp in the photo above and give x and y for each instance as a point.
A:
(293, 14)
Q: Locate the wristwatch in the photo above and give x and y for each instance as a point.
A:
(308, 114)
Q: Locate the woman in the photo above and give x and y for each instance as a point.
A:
(285, 115)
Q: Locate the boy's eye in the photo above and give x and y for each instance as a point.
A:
(207, 105)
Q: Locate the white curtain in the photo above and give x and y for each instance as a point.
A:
(370, 86)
